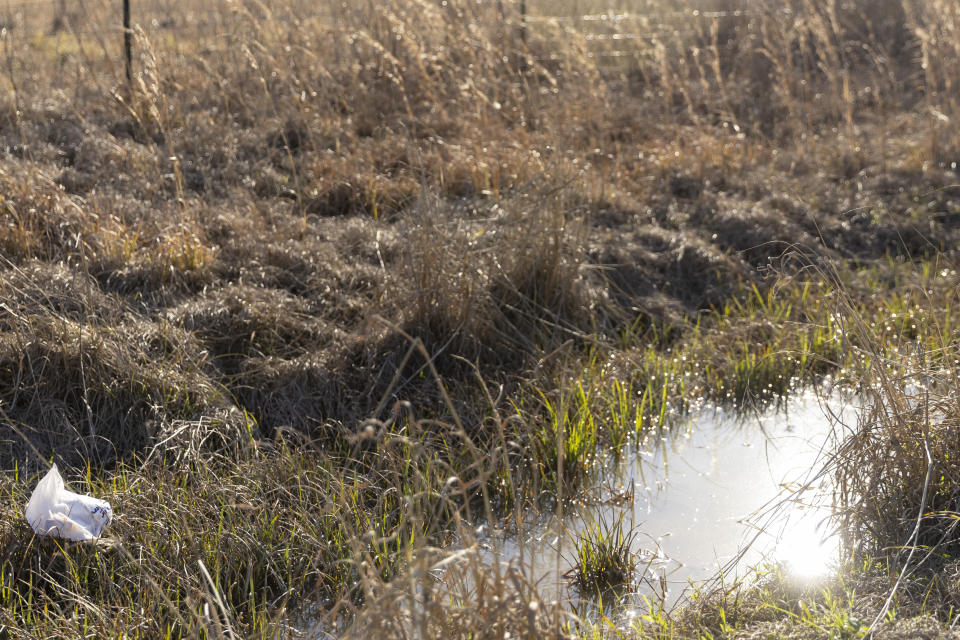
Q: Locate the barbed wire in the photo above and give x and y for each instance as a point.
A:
(639, 17)
(530, 18)
(196, 22)
(26, 3)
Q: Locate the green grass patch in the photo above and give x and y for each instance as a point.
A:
(604, 558)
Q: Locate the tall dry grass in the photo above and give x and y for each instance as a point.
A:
(222, 283)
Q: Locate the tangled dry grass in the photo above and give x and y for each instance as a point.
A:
(301, 280)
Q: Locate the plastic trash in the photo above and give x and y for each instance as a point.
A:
(55, 511)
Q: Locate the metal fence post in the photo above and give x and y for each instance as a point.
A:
(127, 41)
(523, 21)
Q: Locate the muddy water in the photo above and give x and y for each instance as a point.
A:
(724, 492)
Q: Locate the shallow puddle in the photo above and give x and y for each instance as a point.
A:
(723, 492)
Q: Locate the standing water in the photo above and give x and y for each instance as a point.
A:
(725, 492)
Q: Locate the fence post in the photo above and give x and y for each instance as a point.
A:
(523, 22)
(127, 41)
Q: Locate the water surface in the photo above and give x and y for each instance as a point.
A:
(722, 492)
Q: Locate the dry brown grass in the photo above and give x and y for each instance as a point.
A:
(897, 481)
(459, 595)
(223, 266)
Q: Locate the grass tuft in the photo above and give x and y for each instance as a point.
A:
(604, 559)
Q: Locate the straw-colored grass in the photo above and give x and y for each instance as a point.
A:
(326, 288)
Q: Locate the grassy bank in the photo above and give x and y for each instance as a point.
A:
(323, 290)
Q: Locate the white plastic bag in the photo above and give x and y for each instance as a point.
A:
(54, 511)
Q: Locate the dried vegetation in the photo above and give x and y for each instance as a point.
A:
(318, 286)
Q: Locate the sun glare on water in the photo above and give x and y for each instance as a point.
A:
(806, 550)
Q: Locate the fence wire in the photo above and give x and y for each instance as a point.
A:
(606, 34)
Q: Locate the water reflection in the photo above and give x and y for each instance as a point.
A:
(724, 492)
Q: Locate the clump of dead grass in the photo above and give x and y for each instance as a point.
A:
(84, 378)
(897, 478)
(501, 291)
(461, 595)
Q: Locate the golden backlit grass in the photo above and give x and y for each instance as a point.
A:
(326, 287)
